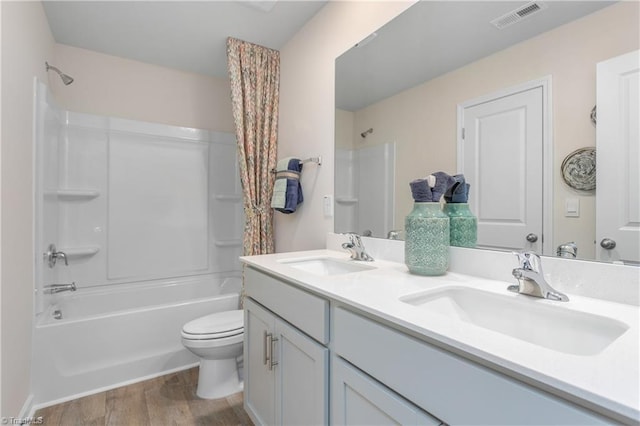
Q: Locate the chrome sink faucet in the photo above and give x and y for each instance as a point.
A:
(356, 248)
(531, 278)
(57, 288)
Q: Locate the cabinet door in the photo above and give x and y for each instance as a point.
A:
(302, 389)
(357, 399)
(259, 383)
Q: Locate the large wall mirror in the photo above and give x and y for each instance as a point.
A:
(401, 93)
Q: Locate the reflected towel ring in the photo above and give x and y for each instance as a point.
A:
(579, 169)
(593, 115)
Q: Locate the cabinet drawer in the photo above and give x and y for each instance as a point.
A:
(451, 388)
(306, 311)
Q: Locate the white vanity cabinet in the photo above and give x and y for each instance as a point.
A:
(286, 363)
(452, 388)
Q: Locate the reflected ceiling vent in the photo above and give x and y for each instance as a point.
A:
(518, 15)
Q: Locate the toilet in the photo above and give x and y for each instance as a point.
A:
(217, 339)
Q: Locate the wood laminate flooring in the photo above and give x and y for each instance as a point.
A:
(165, 400)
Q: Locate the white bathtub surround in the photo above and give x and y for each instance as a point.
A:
(601, 380)
(167, 196)
(366, 183)
(150, 218)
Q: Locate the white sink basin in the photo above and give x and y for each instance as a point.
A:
(551, 326)
(326, 265)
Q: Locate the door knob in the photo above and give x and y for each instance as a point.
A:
(532, 238)
(608, 244)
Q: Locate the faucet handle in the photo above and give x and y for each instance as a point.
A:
(529, 260)
(356, 247)
(354, 239)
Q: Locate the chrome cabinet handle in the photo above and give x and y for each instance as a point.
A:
(608, 244)
(270, 340)
(273, 363)
(532, 238)
(265, 351)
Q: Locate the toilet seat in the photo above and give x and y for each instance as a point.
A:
(219, 325)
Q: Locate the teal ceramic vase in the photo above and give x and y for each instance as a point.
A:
(463, 225)
(426, 246)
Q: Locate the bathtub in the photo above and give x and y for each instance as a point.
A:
(105, 338)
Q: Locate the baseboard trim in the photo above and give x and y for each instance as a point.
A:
(27, 408)
(117, 385)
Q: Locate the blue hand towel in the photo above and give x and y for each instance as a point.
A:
(287, 191)
(421, 191)
(443, 183)
(459, 191)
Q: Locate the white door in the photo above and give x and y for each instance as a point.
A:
(618, 158)
(501, 152)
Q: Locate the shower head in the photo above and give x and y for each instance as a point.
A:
(67, 80)
(366, 132)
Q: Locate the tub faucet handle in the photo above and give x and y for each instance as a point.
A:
(52, 255)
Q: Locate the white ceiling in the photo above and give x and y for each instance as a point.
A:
(186, 35)
(429, 39)
(432, 38)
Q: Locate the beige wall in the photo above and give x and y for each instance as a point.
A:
(422, 120)
(118, 87)
(26, 44)
(307, 107)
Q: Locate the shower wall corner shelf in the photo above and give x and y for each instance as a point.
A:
(77, 194)
(80, 251)
(346, 200)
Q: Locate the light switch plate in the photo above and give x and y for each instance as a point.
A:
(327, 205)
(572, 207)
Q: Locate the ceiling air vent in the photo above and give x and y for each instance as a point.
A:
(518, 15)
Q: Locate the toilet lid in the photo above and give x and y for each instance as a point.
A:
(216, 326)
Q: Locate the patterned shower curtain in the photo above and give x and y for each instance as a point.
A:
(254, 72)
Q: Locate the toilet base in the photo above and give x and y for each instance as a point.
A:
(218, 378)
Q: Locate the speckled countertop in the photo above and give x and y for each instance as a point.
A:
(606, 381)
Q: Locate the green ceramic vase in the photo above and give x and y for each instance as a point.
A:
(426, 246)
(463, 225)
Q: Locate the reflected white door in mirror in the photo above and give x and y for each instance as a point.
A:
(618, 159)
(501, 146)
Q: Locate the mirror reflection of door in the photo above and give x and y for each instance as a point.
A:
(500, 152)
(618, 159)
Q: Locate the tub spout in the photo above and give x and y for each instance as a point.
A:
(57, 288)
